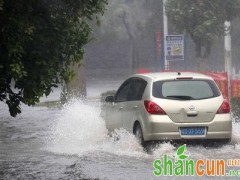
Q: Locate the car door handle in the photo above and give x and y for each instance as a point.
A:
(135, 107)
(120, 108)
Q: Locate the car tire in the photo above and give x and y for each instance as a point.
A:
(138, 133)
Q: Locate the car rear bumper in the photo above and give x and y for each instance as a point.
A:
(163, 128)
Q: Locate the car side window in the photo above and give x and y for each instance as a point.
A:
(122, 94)
(136, 90)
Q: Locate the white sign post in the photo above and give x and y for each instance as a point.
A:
(228, 54)
(165, 33)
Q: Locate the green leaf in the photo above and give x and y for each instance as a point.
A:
(181, 149)
(183, 156)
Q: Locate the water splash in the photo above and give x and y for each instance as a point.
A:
(79, 130)
(164, 148)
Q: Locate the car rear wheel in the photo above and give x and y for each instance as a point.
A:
(138, 133)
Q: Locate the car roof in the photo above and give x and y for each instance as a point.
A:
(171, 75)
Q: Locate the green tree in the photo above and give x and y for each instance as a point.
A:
(39, 40)
(202, 20)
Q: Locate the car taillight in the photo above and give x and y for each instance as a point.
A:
(224, 108)
(153, 108)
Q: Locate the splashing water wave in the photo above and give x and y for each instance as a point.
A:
(79, 130)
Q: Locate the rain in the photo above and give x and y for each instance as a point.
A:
(64, 136)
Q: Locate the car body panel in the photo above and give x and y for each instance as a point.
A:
(192, 111)
(129, 114)
(113, 119)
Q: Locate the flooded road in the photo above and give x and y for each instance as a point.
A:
(73, 143)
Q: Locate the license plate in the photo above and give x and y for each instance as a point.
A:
(192, 131)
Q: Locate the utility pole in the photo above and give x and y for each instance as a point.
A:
(165, 33)
(228, 55)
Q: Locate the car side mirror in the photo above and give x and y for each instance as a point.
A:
(109, 99)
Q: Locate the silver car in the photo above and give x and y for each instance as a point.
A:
(169, 106)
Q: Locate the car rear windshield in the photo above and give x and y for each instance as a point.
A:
(185, 89)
